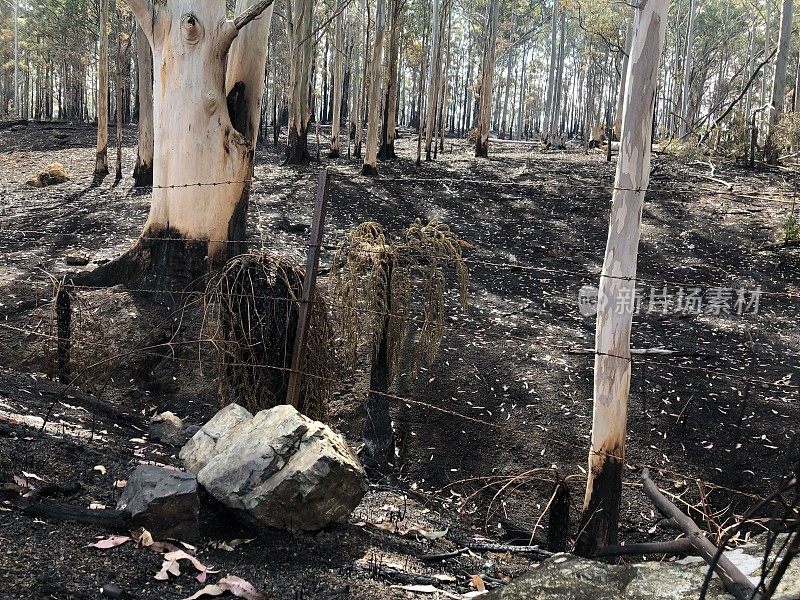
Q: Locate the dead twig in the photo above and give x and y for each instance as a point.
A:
(732, 578)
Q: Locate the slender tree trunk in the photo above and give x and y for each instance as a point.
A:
(617, 283)
(118, 98)
(509, 64)
(355, 94)
(748, 105)
(101, 160)
(445, 84)
(688, 64)
(370, 166)
(771, 149)
(522, 86)
(362, 90)
(551, 73)
(299, 26)
(16, 58)
(338, 86)
(143, 172)
(434, 75)
(390, 93)
(487, 77)
(554, 129)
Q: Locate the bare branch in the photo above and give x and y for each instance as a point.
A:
(252, 12)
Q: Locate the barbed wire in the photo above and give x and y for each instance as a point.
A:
(504, 336)
(514, 266)
(427, 406)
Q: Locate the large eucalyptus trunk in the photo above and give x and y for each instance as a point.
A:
(612, 367)
(771, 149)
(101, 157)
(143, 171)
(299, 27)
(487, 79)
(203, 152)
(370, 166)
(338, 86)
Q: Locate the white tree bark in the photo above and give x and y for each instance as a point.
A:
(617, 283)
(509, 64)
(202, 164)
(487, 79)
(551, 73)
(143, 171)
(688, 65)
(338, 86)
(101, 157)
(16, 58)
(299, 27)
(434, 75)
(374, 107)
(779, 80)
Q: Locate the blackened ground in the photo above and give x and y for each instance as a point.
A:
(505, 409)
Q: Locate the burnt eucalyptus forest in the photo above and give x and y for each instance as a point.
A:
(399, 298)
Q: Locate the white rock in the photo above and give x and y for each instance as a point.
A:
(203, 444)
(284, 470)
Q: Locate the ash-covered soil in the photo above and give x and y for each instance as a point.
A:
(504, 411)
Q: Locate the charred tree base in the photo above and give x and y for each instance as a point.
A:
(558, 526)
(386, 152)
(334, 154)
(377, 432)
(297, 148)
(369, 170)
(163, 262)
(599, 522)
(481, 149)
(143, 175)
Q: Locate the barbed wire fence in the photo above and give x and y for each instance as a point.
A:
(722, 299)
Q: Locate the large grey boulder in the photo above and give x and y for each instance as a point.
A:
(163, 501)
(568, 577)
(282, 469)
(203, 444)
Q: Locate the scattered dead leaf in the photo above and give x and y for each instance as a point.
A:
(235, 585)
(110, 542)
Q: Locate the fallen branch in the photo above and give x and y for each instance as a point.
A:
(487, 547)
(115, 520)
(732, 578)
(680, 546)
(659, 351)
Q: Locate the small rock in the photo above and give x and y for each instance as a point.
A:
(163, 501)
(53, 174)
(202, 446)
(167, 428)
(76, 260)
(282, 469)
